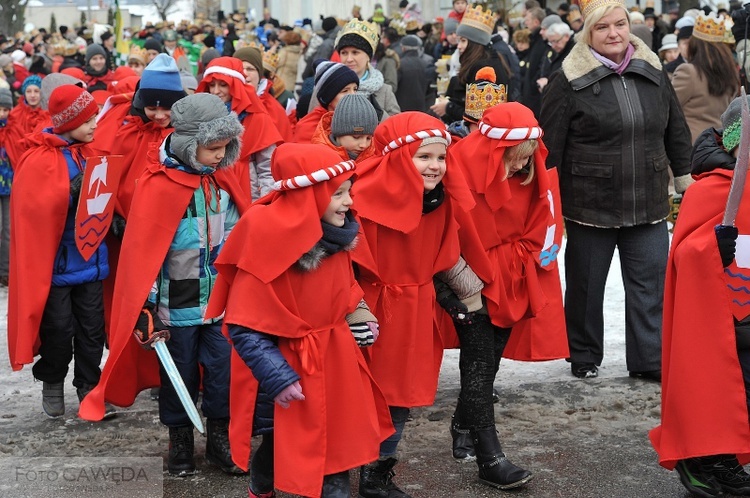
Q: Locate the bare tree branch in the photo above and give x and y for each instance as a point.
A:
(163, 7)
(12, 16)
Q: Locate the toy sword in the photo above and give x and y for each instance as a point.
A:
(740, 169)
(157, 341)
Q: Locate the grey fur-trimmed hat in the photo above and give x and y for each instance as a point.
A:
(202, 119)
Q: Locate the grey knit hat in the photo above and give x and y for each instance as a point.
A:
(450, 25)
(731, 120)
(6, 98)
(474, 33)
(52, 81)
(202, 119)
(354, 115)
(94, 49)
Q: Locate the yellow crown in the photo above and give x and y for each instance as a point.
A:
(398, 25)
(709, 28)
(728, 35)
(483, 94)
(138, 53)
(477, 17)
(270, 61)
(367, 30)
(588, 6)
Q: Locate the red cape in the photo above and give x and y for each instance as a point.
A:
(278, 116)
(305, 128)
(704, 409)
(344, 418)
(22, 121)
(322, 136)
(166, 191)
(38, 209)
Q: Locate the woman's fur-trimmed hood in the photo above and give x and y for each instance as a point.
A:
(581, 61)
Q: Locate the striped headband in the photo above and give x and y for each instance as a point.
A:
(224, 70)
(488, 131)
(321, 175)
(420, 135)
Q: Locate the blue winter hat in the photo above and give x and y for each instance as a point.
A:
(160, 84)
(33, 80)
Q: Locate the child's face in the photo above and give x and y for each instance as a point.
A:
(220, 89)
(211, 155)
(670, 54)
(33, 95)
(521, 46)
(97, 62)
(136, 66)
(460, 6)
(430, 163)
(355, 143)
(252, 77)
(159, 115)
(341, 201)
(4, 112)
(151, 54)
(85, 132)
(348, 89)
(515, 164)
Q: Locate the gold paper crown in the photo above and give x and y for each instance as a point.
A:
(270, 61)
(709, 28)
(728, 35)
(588, 6)
(483, 94)
(367, 30)
(139, 53)
(398, 25)
(477, 17)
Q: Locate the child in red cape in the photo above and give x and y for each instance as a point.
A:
(287, 285)
(184, 207)
(704, 432)
(224, 77)
(349, 129)
(503, 162)
(408, 202)
(25, 118)
(55, 301)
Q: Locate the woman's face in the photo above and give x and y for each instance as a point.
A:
(611, 35)
(355, 59)
(462, 44)
(220, 89)
(252, 77)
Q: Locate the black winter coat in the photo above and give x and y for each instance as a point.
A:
(530, 96)
(613, 138)
(412, 95)
(456, 92)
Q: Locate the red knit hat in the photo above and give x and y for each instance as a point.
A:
(70, 106)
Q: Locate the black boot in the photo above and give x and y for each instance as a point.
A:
(181, 444)
(376, 480)
(494, 468)
(217, 445)
(696, 480)
(336, 485)
(53, 399)
(463, 447)
(728, 473)
(109, 410)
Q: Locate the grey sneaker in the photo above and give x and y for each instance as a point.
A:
(53, 399)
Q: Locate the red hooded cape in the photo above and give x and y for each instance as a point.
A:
(407, 249)
(322, 136)
(344, 417)
(278, 115)
(161, 197)
(260, 131)
(38, 208)
(704, 409)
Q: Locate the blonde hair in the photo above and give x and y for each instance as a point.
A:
(595, 16)
(524, 149)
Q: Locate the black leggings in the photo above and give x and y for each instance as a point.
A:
(482, 346)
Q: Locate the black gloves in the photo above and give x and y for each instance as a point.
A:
(118, 226)
(149, 327)
(75, 186)
(726, 239)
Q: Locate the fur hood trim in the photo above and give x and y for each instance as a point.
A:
(312, 259)
(581, 61)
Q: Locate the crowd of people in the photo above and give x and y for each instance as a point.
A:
(306, 216)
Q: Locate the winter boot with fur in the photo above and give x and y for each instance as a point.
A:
(109, 410)
(336, 485)
(494, 468)
(217, 446)
(53, 399)
(376, 480)
(463, 446)
(181, 446)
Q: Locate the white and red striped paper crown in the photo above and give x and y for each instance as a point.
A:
(526, 133)
(413, 137)
(321, 175)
